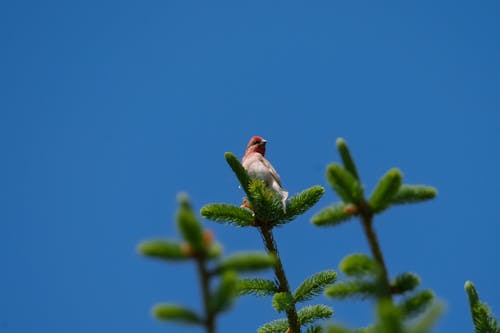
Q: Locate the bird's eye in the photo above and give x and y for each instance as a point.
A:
(255, 142)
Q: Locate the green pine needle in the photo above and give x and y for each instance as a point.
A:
(352, 289)
(425, 323)
(214, 250)
(416, 304)
(247, 262)
(347, 160)
(300, 203)
(314, 329)
(188, 224)
(225, 294)
(176, 313)
(275, 326)
(359, 265)
(314, 285)
(228, 214)
(309, 314)
(257, 287)
(482, 317)
(413, 194)
(332, 215)
(338, 328)
(385, 190)
(344, 183)
(389, 318)
(405, 282)
(239, 171)
(162, 249)
(283, 301)
(266, 204)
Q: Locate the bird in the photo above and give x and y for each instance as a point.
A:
(257, 166)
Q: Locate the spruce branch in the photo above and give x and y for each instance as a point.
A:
(482, 317)
(228, 214)
(199, 246)
(225, 293)
(347, 160)
(239, 171)
(370, 276)
(204, 277)
(177, 313)
(246, 262)
(359, 265)
(314, 285)
(268, 213)
(390, 320)
(404, 282)
(283, 285)
(413, 194)
(275, 326)
(188, 224)
(338, 328)
(300, 203)
(314, 329)
(371, 236)
(256, 286)
(309, 314)
(425, 323)
(385, 190)
(416, 304)
(162, 249)
(283, 301)
(355, 288)
(332, 216)
(344, 183)
(266, 204)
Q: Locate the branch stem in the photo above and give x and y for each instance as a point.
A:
(284, 286)
(371, 236)
(204, 274)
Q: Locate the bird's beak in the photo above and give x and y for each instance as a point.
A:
(263, 142)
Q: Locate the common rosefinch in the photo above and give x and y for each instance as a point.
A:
(259, 167)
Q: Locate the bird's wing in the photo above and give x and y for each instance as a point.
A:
(271, 169)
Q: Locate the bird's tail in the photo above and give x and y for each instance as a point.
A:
(284, 196)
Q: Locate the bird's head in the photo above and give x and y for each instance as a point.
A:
(256, 144)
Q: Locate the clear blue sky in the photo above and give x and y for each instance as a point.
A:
(109, 109)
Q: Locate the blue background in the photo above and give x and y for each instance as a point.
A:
(109, 109)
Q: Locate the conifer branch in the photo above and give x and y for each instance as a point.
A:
(227, 214)
(246, 262)
(309, 314)
(344, 183)
(333, 215)
(416, 303)
(199, 246)
(176, 313)
(204, 277)
(483, 319)
(356, 288)
(283, 285)
(359, 265)
(275, 326)
(256, 286)
(427, 320)
(346, 157)
(371, 236)
(404, 282)
(314, 285)
(413, 194)
(162, 249)
(300, 203)
(239, 171)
